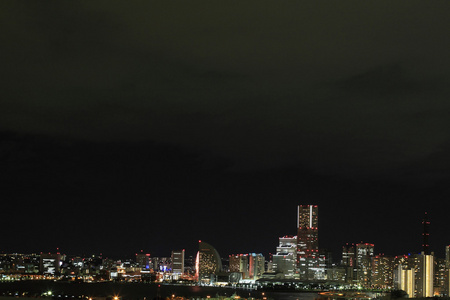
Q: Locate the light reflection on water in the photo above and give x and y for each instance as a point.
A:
(292, 296)
(137, 291)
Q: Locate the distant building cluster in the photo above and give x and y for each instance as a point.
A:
(298, 261)
(97, 268)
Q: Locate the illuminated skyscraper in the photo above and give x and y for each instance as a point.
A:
(178, 261)
(424, 275)
(404, 279)
(349, 262)
(440, 276)
(348, 255)
(307, 240)
(383, 270)
(364, 254)
(234, 263)
(239, 264)
(208, 263)
(256, 265)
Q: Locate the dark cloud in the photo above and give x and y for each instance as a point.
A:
(311, 96)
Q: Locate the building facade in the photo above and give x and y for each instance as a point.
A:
(143, 260)
(178, 261)
(364, 255)
(285, 260)
(307, 241)
(349, 262)
(383, 271)
(208, 263)
(239, 263)
(50, 263)
(424, 275)
(404, 279)
(256, 265)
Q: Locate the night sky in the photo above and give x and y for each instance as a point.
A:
(150, 125)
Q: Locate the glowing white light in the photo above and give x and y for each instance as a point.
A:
(310, 216)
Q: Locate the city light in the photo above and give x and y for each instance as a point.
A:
(298, 259)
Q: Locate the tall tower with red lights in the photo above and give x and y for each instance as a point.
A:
(425, 234)
(307, 240)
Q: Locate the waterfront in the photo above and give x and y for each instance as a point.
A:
(136, 291)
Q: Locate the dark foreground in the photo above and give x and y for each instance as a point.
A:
(135, 291)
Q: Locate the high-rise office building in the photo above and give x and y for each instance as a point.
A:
(348, 255)
(239, 263)
(50, 263)
(178, 261)
(349, 262)
(233, 263)
(285, 260)
(143, 260)
(250, 266)
(319, 271)
(256, 265)
(287, 244)
(364, 254)
(307, 241)
(162, 264)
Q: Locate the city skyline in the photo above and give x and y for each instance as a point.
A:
(298, 261)
(307, 243)
(143, 125)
